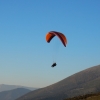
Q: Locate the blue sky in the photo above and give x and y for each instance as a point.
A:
(25, 56)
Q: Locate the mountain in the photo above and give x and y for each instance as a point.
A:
(5, 87)
(13, 94)
(83, 82)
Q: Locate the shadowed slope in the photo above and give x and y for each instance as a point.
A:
(13, 94)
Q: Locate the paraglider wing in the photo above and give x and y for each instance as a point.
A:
(51, 34)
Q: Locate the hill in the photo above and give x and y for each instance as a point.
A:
(6, 87)
(91, 96)
(81, 83)
(13, 94)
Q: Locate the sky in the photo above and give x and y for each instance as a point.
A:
(26, 57)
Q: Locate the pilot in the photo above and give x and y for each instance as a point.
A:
(53, 65)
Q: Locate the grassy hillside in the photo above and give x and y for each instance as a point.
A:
(86, 97)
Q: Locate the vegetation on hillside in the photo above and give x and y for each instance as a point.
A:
(91, 96)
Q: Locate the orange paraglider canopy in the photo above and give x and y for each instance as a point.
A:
(51, 34)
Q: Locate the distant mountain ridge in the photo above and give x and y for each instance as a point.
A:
(6, 87)
(13, 94)
(80, 83)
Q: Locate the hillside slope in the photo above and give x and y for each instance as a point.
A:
(83, 82)
(91, 96)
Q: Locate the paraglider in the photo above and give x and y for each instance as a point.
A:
(50, 35)
(54, 64)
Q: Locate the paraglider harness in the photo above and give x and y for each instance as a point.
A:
(53, 65)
